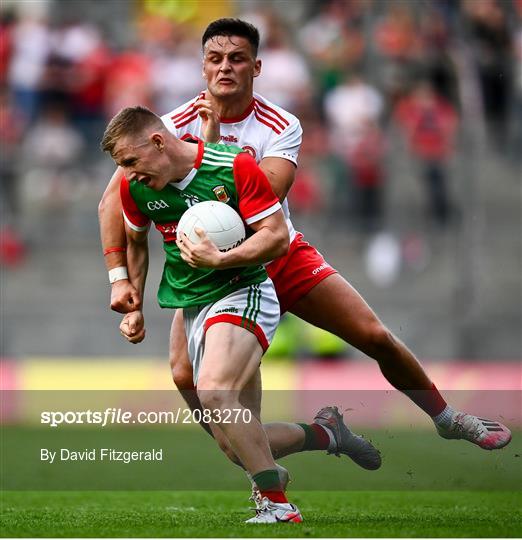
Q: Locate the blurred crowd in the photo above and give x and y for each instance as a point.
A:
(359, 74)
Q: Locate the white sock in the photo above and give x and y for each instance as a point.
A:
(443, 419)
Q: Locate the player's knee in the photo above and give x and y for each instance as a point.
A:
(382, 344)
(181, 375)
(212, 398)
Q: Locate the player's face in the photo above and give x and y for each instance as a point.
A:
(144, 161)
(229, 66)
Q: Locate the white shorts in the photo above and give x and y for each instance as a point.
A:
(254, 308)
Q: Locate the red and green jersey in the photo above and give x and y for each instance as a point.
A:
(223, 173)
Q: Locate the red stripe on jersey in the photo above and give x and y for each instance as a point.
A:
(182, 118)
(267, 124)
(188, 110)
(269, 117)
(133, 213)
(254, 192)
(190, 106)
(187, 121)
(273, 111)
(242, 116)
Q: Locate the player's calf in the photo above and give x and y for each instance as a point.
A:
(224, 445)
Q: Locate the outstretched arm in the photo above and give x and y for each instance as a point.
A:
(124, 296)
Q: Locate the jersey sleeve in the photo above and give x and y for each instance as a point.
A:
(287, 144)
(255, 196)
(132, 215)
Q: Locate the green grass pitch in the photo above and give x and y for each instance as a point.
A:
(427, 487)
(220, 514)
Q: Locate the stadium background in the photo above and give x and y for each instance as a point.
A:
(444, 276)
(444, 273)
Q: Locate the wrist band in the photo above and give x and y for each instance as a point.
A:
(117, 274)
(116, 249)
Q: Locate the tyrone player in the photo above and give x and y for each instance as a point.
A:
(323, 298)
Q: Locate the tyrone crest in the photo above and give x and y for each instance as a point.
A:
(221, 194)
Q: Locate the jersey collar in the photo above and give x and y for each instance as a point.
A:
(182, 184)
(241, 117)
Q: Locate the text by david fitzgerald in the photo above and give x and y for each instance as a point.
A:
(100, 454)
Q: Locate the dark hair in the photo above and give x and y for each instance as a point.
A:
(131, 120)
(232, 27)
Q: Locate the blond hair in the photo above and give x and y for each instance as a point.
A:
(129, 121)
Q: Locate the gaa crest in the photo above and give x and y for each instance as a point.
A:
(221, 194)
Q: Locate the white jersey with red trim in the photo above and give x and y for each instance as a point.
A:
(264, 130)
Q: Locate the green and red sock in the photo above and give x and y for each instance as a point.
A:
(269, 485)
(317, 437)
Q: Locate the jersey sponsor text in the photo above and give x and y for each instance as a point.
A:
(315, 271)
(229, 138)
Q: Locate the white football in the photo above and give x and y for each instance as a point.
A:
(223, 225)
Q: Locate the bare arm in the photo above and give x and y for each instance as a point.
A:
(112, 231)
(137, 258)
(280, 173)
(132, 326)
(124, 297)
(269, 242)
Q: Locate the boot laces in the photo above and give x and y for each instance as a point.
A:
(473, 427)
(262, 506)
(256, 498)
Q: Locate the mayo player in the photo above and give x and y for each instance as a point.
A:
(203, 282)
